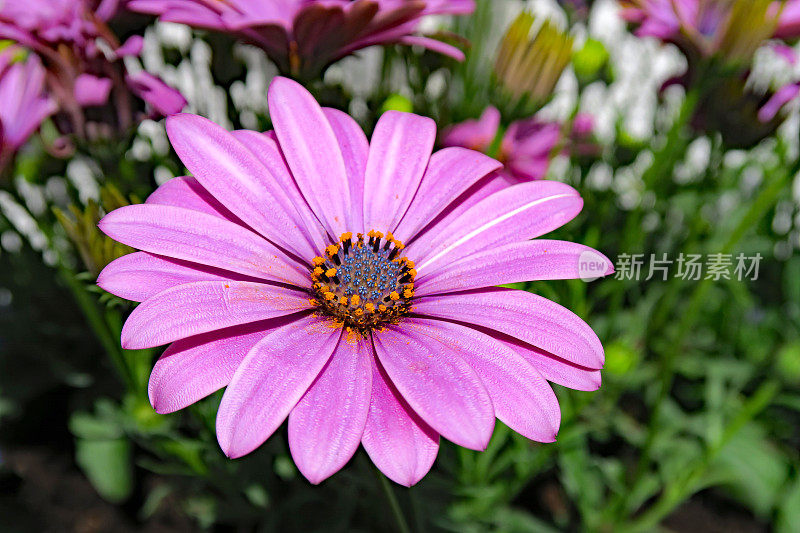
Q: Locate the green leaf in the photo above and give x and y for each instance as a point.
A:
(788, 520)
(107, 464)
(756, 469)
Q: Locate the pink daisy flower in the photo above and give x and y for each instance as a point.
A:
(303, 37)
(351, 287)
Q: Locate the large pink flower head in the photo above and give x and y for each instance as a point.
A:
(351, 287)
(84, 62)
(23, 103)
(526, 147)
(303, 37)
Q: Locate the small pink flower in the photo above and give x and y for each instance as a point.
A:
(23, 103)
(83, 60)
(351, 286)
(304, 36)
(526, 147)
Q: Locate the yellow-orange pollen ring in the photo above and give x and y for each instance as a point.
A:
(362, 282)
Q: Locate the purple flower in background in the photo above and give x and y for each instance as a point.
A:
(303, 37)
(83, 60)
(351, 286)
(23, 102)
(730, 28)
(526, 147)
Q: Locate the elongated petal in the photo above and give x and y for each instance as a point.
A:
(186, 192)
(397, 440)
(139, 276)
(355, 149)
(514, 214)
(522, 398)
(440, 386)
(450, 173)
(191, 369)
(312, 151)
(235, 176)
(266, 149)
(482, 189)
(434, 45)
(200, 238)
(554, 368)
(539, 259)
(270, 381)
(325, 427)
(523, 315)
(398, 155)
(203, 306)
(162, 99)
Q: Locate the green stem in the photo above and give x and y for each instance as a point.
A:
(397, 512)
(98, 324)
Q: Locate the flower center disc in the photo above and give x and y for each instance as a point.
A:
(363, 282)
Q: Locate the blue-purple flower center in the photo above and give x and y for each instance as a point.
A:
(363, 282)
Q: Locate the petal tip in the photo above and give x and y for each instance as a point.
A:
(282, 84)
(314, 477)
(159, 407)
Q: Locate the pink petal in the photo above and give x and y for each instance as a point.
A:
(355, 149)
(235, 176)
(483, 188)
(450, 173)
(440, 386)
(270, 381)
(266, 149)
(201, 238)
(474, 134)
(535, 260)
(325, 427)
(398, 155)
(91, 90)
(522, 398)
(186, 192)
(191, 369)
(162, 99)
(433, 45)
(554, 368)
(397, 440)
(131, 47)
(782, 96)
(139, 276)
(517, 213)
(194, 308)
(524, 316)
(312, 151)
